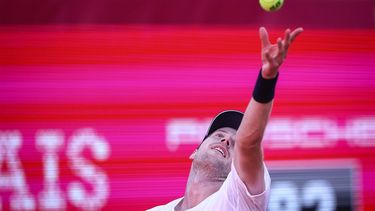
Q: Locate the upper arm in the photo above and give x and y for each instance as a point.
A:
(248, 162)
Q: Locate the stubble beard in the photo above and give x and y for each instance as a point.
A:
(211, 167)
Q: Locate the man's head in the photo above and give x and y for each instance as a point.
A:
(215, 153)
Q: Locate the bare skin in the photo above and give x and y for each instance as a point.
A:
(212, 161)
(211, 165)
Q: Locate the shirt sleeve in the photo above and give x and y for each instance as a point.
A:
(237, 194)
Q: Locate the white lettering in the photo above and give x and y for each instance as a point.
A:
(319, 192)
(186, 131)
(10, 142)
(278, 134)
(284, 196)
(362, 132)
(90, 173)
(286, 132)
(315, 193)
(49, 142)
(315, 132)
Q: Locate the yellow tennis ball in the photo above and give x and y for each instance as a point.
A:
(271, 5)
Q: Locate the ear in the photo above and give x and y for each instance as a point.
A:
(192, 156)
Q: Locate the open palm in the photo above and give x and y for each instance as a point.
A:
(273, 55)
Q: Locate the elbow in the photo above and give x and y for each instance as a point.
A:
(249, 139)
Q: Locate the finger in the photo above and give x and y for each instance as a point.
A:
(287, 39)
(287, 35)
(280, 45)
(295, 33)
(264, 37)
(281, 48)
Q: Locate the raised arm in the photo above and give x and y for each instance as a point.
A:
(248, 156)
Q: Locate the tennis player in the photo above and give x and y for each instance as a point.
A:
(228, 171)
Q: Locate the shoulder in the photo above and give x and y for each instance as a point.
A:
(238, 194)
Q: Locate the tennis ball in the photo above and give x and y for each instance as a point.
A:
(271, 5)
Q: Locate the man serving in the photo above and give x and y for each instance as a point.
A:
(228, 171)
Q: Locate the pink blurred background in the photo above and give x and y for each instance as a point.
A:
(102, 102)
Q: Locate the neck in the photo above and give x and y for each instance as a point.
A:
(200, 185)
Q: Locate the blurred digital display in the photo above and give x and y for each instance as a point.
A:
(111, 124)
(315, 185)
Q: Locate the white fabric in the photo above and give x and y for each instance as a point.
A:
(232, 195)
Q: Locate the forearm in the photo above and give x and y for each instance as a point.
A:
(254, 122)
(258, 111)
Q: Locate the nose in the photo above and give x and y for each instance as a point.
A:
(226, 140)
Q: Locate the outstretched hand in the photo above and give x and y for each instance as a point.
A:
(273, 55)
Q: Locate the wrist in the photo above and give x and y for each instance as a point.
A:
(269, 76)
(267, 73)
(264, 90)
